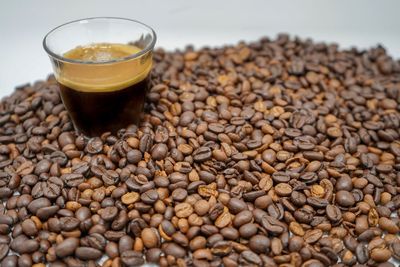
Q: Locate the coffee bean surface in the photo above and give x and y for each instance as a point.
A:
(280, 152)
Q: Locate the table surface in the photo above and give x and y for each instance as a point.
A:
(360, 23)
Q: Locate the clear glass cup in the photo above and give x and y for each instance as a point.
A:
(102, 94)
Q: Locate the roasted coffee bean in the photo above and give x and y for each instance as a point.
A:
(72, 179)
(25, 260)
(380, 254)
(109, 213)
(202, 154)
(259, 244)
(132, 258)
(110, 177)
(111, 250)
(94, 145)
(272, 225)
(159, 151)
(333, 213)
(183, 210)
(87, 253)
(248, 230)
(10, 261)
(150, 238)
(153, 255)
(149, 197)
(174, 250)
(145, 143)
(21, 244)
(67, 247)
(242, 217)
(46, 212)
(29, 227)
(236, 205)
(69, 223)
(125, 243)
(4, 248)
(134, 156)
(97, 241)
(344, 198)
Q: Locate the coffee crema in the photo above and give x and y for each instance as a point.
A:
(104, 86)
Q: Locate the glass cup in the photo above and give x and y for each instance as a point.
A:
(103, 80)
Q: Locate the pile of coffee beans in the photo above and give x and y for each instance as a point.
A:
(279, 152)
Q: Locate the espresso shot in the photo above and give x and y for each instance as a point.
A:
(114, 100)
(97, 112)
(102, 66)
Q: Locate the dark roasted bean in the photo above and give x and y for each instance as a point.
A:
(67, 247)
(132, 258)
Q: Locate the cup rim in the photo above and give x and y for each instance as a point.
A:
(148, 47)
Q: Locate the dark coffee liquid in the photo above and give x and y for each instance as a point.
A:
(96, 112)
(104, 97)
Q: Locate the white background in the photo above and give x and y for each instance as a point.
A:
(361, 23)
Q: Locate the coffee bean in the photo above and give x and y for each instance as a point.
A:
(134, 156)
(223, 220)
(259, 244)
(110, 177)
(179, 194)
(25, 260)
(132, 258)
(344, 183)
(242, 218)
(46, 212)
(296, 228)
(146, 142)
(183, 210)
(186, 118)
(72, 179)
(174, 250)
(281, 177)
(249, 257)
(202, 154)
(130, 198)
(388, 225)
(153, 255)
(283, 189)
(23, 245)
(67, 247)
(66, 138)
(109, 213)
(380, 254)
(344, 198)
(236, 205)
(36, 204)
(97, 241)
(125, 243)
(87, 253)
(94, 145)
(333, 213)
(29, 227)
(149, 197)
(272, 225)
(166, 229)
(10, 261)
(111, 250)
(150, 238)
(248, 230)
(312, 236)
(4, 248)
(159, 151)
